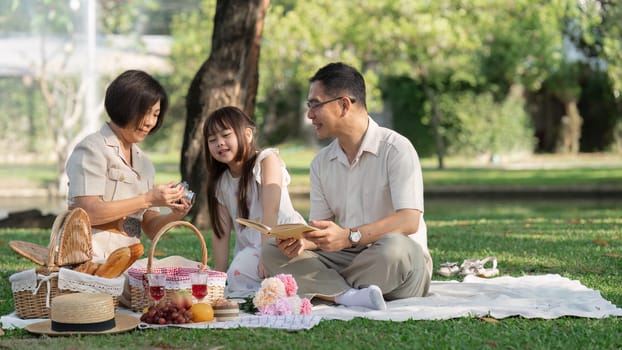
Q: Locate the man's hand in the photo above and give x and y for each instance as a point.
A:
(330, 236)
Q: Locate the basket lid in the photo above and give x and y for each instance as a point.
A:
(70, 240)
(32, 251)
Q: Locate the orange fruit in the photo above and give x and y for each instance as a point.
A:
(202, 312)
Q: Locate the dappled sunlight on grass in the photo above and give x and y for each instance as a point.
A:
(535, 177)
(489, 209)
(450, 223)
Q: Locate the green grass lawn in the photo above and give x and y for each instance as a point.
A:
(580, 240)
(577, 239)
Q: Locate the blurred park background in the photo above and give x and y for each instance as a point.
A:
(491, 92)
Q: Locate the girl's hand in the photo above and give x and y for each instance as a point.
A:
(262, 271)
(291, 247)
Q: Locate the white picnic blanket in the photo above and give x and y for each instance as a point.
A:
(543, 296)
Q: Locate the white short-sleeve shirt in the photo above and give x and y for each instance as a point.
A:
(385, 176)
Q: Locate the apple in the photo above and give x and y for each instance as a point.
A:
(182, 299)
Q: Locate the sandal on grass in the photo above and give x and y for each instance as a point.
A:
(488, 272)
(477, 267)
(448, 269)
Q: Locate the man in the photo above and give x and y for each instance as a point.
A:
(366, 200)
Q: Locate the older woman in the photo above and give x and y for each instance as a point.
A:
(112, 179)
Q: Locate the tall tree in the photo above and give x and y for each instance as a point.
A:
(564, 84)
(596, 29)
(228, 77)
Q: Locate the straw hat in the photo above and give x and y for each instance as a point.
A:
(83, 313)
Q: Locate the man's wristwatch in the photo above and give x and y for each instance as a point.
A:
(354, 237)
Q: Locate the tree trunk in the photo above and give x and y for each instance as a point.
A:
(436, 124)
(228, 77)
(570, 129)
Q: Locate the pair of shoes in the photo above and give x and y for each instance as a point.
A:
(488, 272)
(470, 267)
(477, 267)
(448, 269)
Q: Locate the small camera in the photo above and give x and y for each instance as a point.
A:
(188, 194)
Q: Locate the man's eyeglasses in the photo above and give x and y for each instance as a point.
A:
(314, 105)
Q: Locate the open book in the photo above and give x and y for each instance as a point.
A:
(281, 231)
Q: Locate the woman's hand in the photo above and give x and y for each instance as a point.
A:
(180, 209)
(169, 195)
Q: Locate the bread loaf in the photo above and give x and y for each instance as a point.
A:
(116, 263)
(92, 267)
(137, 250)
(89, 267)
(82, 267)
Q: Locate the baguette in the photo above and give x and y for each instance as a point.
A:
(137, 250)
(82, 267)
(93, 267)
(116, 263)
(89, 267)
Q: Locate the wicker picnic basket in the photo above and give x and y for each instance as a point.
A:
(178, 277)
(70, 244)
(33, 290)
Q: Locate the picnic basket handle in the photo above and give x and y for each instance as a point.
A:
(167, 227)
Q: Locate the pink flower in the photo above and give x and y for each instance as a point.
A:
(283, 307)
(266, 310)
(280, 307)
(277, 296)
(271, 290)
(305, 307)
(296, 303)
(291, 287)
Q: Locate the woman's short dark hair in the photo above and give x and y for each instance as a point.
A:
(131, 95)
(341, 79)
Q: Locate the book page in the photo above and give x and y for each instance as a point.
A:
(254, 224)
(291, 230)
(281, 231)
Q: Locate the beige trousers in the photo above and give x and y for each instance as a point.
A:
(395, 263)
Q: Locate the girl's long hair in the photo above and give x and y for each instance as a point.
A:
(229, 118)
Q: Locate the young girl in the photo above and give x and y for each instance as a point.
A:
(243, 182)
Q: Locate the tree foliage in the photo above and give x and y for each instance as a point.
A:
(452, 52)
(446, 48)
